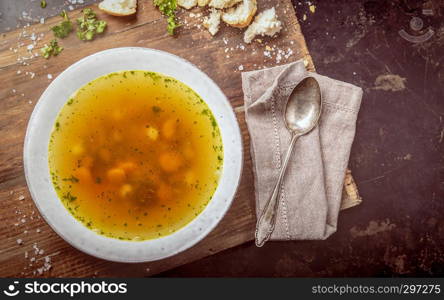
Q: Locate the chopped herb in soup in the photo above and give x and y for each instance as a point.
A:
(135, 155)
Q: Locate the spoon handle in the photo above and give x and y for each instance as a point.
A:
(267, 219)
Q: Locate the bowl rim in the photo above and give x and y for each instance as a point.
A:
(191, 242)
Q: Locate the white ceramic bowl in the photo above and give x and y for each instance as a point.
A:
(36, 154)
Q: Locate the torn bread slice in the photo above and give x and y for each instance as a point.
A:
(241, 15)
(212, 21)
(265, 23)
(119, 7)
(203, 2)
(187, 4)
(221, 4)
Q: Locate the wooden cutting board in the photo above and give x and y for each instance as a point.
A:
(26, 239)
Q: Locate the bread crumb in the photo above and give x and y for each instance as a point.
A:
(312, 8)
(212, 21)
(119, 7)
(221, 4)
(241, 15)
(203, 2)
(187, 4)
(265, 23)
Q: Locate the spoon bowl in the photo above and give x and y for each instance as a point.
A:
(303, 108)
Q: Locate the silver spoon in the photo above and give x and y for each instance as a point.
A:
(301, 114)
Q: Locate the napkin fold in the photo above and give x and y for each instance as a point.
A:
(311, 193)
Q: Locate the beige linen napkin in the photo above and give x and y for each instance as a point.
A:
(310, 198)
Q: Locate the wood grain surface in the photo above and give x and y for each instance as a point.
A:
(27, 242)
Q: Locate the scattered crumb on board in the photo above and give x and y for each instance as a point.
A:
(390, 82)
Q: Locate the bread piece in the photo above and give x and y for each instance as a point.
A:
(119, 7)
(212, 21)
(187, 3)
(241, 15)
(221, 4)
(203, 2)
(265, 23)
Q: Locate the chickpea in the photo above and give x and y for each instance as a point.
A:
(116, 175)
(170, 161)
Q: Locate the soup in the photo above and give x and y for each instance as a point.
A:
(135, 155)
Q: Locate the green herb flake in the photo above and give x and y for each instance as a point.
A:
(71, 179)
(69, 197)
(63, 29)
(168, 8)
(53, 49)
(153, 75)
(89, 26)
(43, 4)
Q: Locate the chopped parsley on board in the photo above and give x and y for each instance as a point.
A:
(63, 29)
(89, 25)
(168, 8)
(53, 49)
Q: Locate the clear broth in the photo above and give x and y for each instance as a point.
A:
(135, 155)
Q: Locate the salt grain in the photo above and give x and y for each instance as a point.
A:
(49, 76)
(19, 241)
